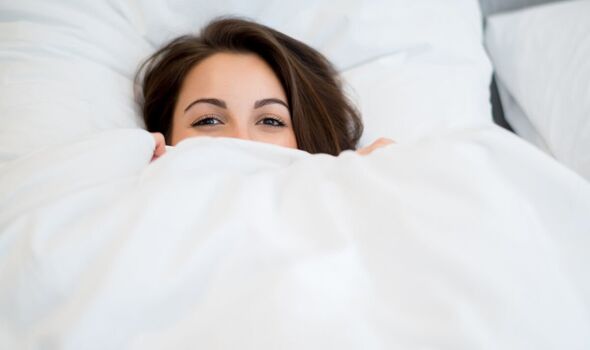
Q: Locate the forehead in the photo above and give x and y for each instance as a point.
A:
(232, 73)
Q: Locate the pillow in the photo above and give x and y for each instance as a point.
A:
(518, 120)
(65, 71)
(420, 93)
(542, 57)
(66, 68)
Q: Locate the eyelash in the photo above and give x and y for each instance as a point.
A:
(199, 123)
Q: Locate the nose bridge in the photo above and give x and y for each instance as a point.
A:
(241, 131)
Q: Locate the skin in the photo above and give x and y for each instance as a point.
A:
(235, 95)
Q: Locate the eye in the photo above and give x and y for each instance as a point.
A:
(275, 122)
(207, 121)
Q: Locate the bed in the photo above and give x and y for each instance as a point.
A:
(461, 235)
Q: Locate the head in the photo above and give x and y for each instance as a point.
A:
(242, 79)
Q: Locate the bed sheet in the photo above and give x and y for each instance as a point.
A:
(471, 239)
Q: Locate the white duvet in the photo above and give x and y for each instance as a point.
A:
(469, 240)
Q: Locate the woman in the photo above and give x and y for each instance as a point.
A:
(242, 79)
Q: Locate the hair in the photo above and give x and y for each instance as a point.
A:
(324, 120)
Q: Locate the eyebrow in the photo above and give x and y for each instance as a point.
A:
(268, 101)
(222, 104)
(213, 101)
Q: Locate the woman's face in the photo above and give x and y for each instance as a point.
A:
(233, 95)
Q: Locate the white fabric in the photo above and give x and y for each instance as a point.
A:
(541, 55)
(418, 93)
(518, 120)
(66, 66)
(469, 240)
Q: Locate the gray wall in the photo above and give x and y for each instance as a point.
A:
(492, 6)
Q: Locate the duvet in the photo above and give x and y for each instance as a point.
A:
(469, 240)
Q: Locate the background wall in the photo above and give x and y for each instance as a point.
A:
(493, 6)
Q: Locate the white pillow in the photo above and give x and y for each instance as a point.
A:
(66, 68)
(420, 93)
(542, 57)
(65, 72)
(518, 120)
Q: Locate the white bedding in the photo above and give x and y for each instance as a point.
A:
(414, 67)
(518, 120)
(541, 57)
(460, 236)
(469, 240)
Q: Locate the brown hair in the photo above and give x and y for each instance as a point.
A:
(324, 120)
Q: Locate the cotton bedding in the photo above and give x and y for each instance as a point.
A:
(472, 239)
(459, 236)
(413, 67)
(540, 57)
